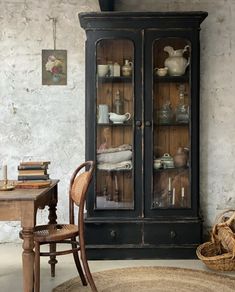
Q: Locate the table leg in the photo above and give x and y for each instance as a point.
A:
(28, 259)
(53, 220)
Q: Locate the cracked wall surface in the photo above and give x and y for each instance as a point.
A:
(48, 122)
(42, 122)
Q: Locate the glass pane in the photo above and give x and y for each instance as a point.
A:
(114, 129)
(171, 115)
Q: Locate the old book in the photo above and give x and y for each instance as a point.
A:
(33, 184)
(33, 177)
(32, 172)
(33, 167)
(40, 163)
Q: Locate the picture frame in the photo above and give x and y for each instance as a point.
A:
(54, 67)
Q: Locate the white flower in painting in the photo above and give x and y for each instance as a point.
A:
(54, 65)
(49, 65)
(51, 58)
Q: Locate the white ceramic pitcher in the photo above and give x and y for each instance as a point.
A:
(176, 63)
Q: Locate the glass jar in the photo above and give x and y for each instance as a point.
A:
(165, 114)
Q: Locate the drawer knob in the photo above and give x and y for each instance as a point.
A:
(172, 234)
(138, 124)
(113, 233)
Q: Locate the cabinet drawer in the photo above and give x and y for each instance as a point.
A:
(172, 233)
(113, 233)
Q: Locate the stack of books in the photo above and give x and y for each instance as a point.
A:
(33, 170)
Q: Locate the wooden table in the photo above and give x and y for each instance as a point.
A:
(21, 205)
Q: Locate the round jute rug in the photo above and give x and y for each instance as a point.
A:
(153, 279)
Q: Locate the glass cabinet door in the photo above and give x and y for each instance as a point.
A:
(114, 124)
(171, 124)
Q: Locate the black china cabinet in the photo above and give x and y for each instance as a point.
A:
(142, 129)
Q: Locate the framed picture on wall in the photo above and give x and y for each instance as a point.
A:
(54, 67)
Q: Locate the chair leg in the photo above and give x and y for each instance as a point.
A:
(37, 268)
(86, 266)
(52, 260)
(78, 265)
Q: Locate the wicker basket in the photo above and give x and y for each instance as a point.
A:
(211, 255)
(222, 232)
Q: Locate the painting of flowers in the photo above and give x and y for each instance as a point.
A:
(54, 67)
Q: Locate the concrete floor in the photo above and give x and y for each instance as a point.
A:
(11, 272)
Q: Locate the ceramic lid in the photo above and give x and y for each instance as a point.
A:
(166, 157)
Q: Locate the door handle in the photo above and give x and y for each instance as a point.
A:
(138, 124)
(148, 124)
(172, 234)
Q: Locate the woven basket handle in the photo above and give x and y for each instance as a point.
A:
(220, 216)
(230, 220)
(214, 234)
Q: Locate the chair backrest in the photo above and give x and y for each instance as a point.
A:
(79, 184)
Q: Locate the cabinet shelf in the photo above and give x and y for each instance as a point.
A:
(178, 169)
(115, 170)
(176, 79)
(174, 124)
(113, 79)
(114, 125)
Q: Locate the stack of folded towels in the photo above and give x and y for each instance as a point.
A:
(117, 158)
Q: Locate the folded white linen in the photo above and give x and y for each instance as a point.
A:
(115, 166)
(122, 147)
(114, 157)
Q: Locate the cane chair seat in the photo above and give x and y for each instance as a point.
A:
(55, 232)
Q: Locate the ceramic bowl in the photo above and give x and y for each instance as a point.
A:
(161, 71)
(102, 70)
(157, 163)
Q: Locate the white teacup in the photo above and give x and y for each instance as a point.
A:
(102, 70)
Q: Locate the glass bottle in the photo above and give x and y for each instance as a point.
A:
(181, 113)
(118, 103)
(110, 65)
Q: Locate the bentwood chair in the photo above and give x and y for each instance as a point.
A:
(67, 233)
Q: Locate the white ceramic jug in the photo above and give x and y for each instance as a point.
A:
(103, 114)
(127, 68)
(176, 63)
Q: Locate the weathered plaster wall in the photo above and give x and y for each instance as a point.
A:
(41, 121)
(217, 136)
(48, 122)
